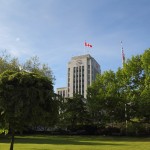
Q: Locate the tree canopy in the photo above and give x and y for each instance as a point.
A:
(26, 99)
(122, 96)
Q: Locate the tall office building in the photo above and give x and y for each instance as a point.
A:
(82, 70)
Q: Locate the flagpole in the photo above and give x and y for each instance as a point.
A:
(122, 54)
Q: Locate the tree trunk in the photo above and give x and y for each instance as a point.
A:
(12, 140)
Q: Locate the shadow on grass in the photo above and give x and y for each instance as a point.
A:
(73, 140)
(56, 140)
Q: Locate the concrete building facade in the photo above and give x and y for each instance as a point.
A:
(82, 71)
(63, 91)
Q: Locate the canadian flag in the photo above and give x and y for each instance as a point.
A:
(88, 45)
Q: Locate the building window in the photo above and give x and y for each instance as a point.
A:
(80, 69)
(77, 69)
(68, 71)
(63, 93)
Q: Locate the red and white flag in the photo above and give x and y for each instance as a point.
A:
(88, 44)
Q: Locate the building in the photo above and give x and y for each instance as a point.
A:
(63, 91)
(82, 70)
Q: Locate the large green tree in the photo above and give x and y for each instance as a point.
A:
(122, 96)
(31, 65)
(104, 103)
(74, 111)
(144, 104)
(25, 99)
(8, 63)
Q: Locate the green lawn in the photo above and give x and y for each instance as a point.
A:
(39, 142)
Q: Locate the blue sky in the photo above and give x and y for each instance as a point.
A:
(55, 30)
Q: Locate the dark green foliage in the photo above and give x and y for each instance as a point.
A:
(120, 98)
(116, 101)
(74, 112)
(26, 99)
(33, 65)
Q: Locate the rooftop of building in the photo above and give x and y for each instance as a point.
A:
(82, 56)
(61, 88)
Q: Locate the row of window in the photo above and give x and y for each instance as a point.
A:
(76, 81)
(78, 86)
(75, 69)
(78, 75)
(79, 92)
(78, 68)
(62, 93)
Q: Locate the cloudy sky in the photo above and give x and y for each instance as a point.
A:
(55, 30)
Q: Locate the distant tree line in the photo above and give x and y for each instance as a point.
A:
(117, 102)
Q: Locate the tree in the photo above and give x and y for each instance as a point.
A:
(103, 99)
(95, 101)
(33, 65)
(8, 63)
(146, 62)
(144, 104)
(25, 98)
(75, 112)
(134, 81)
(134, 85)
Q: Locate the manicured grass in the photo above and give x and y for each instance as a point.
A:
(45, 142)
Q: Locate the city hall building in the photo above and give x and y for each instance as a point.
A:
(82, 71)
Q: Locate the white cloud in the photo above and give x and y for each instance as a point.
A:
(10, 42)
